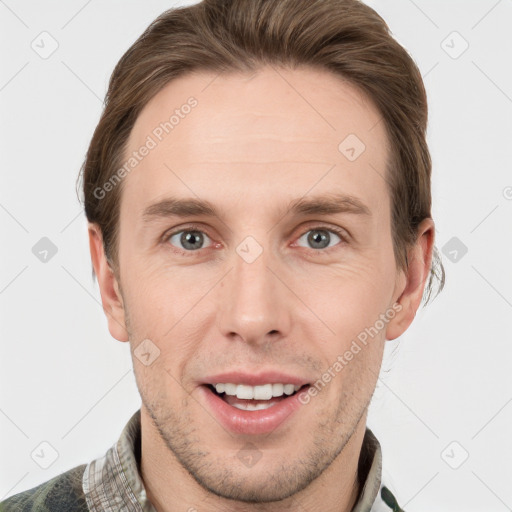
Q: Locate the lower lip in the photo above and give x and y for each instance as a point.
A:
(263, 421)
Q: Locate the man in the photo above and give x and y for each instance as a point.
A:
(258, 197)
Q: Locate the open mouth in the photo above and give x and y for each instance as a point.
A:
(252, 404)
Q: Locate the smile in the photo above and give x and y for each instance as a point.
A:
(254, 410)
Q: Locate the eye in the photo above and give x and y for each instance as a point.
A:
(321, 238)
(190, 239)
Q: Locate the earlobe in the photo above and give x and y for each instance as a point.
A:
(413, 280)
(111, 297)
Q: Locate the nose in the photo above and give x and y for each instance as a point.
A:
(253, 304)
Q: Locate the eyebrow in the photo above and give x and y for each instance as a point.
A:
(314, 205)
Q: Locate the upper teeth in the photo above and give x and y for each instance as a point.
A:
(264, 392)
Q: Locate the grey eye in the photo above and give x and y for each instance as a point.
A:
(190, 240)
(320, 238)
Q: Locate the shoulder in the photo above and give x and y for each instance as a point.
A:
(62, 493)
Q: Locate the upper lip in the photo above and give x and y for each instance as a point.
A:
(252, 379)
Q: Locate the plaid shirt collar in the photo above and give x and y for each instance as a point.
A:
(112, 483)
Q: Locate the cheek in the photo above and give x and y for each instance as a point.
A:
(354, 295)
(166, 307)
(353, 303)
(156, 293)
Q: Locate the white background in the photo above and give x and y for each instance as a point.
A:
(65, 381)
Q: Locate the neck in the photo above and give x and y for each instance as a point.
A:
(170, 487)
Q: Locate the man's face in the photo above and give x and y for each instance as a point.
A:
(259, 289)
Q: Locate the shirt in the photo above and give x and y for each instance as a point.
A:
(113, 483)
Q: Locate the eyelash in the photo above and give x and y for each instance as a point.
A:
(339, 232)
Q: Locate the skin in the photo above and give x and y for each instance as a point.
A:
(252, 145)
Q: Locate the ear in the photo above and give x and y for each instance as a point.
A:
(111, 297)
(412, 280)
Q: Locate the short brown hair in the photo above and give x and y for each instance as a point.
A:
(344, 36)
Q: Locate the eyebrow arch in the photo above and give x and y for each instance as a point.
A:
(328, 204)
(314, 205)
(173, 207)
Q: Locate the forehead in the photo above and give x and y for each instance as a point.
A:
(276, 131)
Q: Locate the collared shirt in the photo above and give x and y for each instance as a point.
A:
(113, 483)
